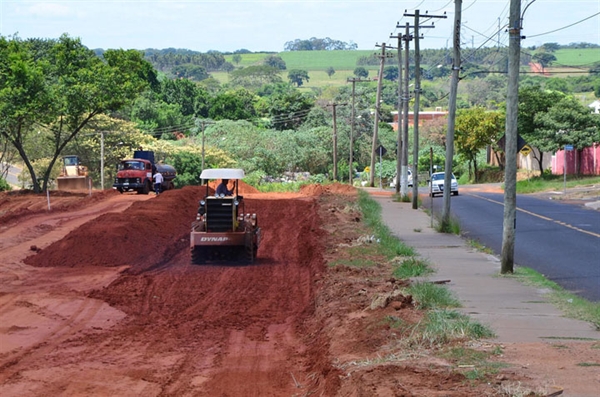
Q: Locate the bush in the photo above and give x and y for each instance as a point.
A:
(4, 186)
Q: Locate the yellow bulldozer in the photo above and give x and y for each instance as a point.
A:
(73, 176)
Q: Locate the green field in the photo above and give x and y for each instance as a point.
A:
(344, 63)
(318, 78)
(322, 60)
(577, 57)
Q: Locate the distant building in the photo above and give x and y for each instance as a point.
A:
(423, 117)
(595, 106)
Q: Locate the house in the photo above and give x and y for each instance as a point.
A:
(595, 106)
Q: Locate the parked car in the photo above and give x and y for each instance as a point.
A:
(409, 180)
(436, 184)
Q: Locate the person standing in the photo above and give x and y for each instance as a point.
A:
(158, 180)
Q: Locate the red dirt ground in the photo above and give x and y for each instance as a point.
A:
(98, 297)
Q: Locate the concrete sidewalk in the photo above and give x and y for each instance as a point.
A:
(515, 312)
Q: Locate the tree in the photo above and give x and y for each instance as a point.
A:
(475, 129)
(275, 61)
(288, 110)
(188, 95)
(188, 71)
(298, 77)
(391, 73)
(361, 72)
(253, 77)
(568, 122)
(315, 44)
(233, 105)
(159, 118)
(330, 71)
(544, 58)
(533, 101)
(59, 86)
(121, 138)
(237, 58)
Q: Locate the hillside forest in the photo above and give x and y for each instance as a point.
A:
(272, 114)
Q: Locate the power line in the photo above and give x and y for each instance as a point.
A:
(565, 27)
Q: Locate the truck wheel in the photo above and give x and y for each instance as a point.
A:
(146, 188)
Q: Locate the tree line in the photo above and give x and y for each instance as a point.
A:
(57, 97)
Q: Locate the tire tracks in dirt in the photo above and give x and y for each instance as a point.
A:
(65, 329)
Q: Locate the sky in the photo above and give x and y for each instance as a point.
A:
(266, 25)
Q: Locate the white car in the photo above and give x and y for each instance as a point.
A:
(409, 178)
(436, 184)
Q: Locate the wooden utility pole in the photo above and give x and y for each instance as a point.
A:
(445, 223)
(335, 165)
(415, 164)
(399, 128)
(510, 170)
(352, 80)
(203, 124)
(415, 168)
(399, 142)
(376, 122)
(404, 169)
(102, 159)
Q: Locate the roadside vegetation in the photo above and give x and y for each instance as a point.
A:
(269, 113)
(548, 182)
(441, 326)
(571, 305)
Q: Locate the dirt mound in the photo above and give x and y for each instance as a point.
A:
(207, 315)
(17, 204)
(333, 188)
(144, 235)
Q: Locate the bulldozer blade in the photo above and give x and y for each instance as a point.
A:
(73, 183)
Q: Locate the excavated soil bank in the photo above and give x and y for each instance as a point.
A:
(101, 299)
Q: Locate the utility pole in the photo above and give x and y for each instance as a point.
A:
(415, 165)
(510, 170)
(335, 167)
(452, 115)
(376, 123)
(102, 159)
(203, 124)
(399, 138)
(404, 177)
(353, 80)
(415, 173)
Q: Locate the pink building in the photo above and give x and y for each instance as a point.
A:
(587, 160)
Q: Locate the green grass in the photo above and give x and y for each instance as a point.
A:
(321, 60)
(281, 187)
(442, 326)
(571, 305)
(344, 63)
(388, 245)
(248, 59)
(432, 296)
(412, 267)
(577, 56)
(476, 245)
(477, 361)
(554, 183)
(453, 226)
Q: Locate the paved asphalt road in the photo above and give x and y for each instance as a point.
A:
(12, 175)
(559, 240)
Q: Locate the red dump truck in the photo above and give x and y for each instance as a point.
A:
(137, 174)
